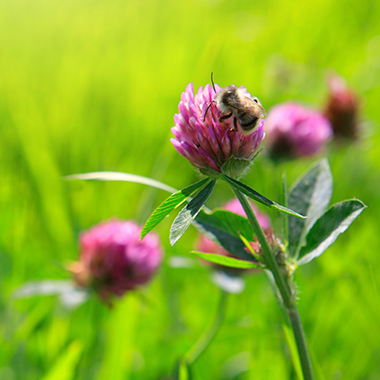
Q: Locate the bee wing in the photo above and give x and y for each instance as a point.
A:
(252, 108)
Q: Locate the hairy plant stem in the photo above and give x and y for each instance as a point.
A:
(283, 286)
(203, 342)
(301, 343)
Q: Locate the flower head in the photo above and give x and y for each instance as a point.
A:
(209, 144)
(341, 108)
(296, 131)
(114, 260)
(208, 246)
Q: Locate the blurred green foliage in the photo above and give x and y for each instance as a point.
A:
(93, 85)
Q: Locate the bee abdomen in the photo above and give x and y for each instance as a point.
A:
(247, 123)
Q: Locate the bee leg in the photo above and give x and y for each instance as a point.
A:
(224, 117)
(208, 107)
(235, 125)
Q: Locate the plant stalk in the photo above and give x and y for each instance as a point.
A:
(269, 257)
(301, 343)
(206, 338)
(288, 298)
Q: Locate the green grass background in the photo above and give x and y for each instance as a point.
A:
(93, 85)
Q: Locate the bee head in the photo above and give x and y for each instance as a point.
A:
(231, 89)
(228, 93)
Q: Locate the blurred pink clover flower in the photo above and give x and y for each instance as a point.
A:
(294, 130)
(342, 108)
(114, 260)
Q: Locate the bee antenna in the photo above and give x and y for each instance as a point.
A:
(212, 81)
(213, 101)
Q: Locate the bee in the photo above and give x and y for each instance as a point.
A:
(232, 101)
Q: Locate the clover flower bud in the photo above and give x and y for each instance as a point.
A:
(212, 146)
(296, 131)
(114, 260)
(341, 108)
(208, 246)
(286, 267)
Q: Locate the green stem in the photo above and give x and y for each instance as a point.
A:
(206, 338)
(283, 287)
(269, 257)
(299, 336)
